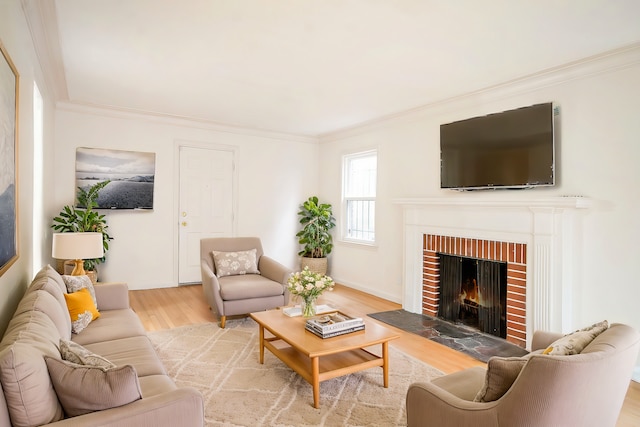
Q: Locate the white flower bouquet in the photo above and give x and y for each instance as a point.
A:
(309, 286)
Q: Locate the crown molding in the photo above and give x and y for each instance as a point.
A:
(174, 120)
(42, 20)
(605, 62)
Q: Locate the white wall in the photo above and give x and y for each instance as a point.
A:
(598, 154)
(15, 36)
(275, 173)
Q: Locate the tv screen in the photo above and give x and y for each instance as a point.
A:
(511, 149)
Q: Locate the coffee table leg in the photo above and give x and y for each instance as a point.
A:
(315, 375)
(385, 363)
(261, 344)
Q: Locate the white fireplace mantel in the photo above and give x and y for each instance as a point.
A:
(550, 227)
(566, 202)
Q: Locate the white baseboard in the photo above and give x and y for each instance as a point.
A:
(359, 287)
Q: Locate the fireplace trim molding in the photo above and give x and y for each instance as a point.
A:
(550, 227)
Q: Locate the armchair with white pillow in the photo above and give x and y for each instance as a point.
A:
(575, 380)
(237, 278)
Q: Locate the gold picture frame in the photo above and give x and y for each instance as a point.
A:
(9, 86)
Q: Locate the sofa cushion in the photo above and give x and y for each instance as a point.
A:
(75, 353)
(500, 375)
(250, 286)
(112, 325)
(75, 283)
(153, 385)
(27, 386)
(136, 351)
(50, 273)
(50, 285)
(462, 384)
(575, 342)
(235, 263)
(81, 309)
(82, 389)
(34, 326)
(42, 301)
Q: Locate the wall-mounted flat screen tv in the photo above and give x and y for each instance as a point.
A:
(511, 149)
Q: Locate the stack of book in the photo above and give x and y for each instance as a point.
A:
(334, 324)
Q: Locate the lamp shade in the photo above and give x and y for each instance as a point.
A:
(77, 246)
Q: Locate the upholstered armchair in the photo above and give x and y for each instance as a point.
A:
(244, 279)
(585, 389)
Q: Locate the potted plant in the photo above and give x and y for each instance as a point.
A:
(317, 220)
(83, 218)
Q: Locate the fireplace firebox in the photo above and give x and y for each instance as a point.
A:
(474, 292)
(512, 254)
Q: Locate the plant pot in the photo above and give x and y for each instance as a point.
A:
(317, 265)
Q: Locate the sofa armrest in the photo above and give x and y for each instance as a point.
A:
(180, 407)
(429, 406)
(112, 296)
(273, 270)
(211, 288)
(543, 339)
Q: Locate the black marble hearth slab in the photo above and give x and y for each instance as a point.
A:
(458, 337)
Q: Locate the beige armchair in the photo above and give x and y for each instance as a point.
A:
(242, 293)
(586, 389)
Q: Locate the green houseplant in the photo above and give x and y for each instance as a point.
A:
(317, 220)
(83, 218)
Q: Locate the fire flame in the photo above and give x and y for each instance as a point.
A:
(473, 294)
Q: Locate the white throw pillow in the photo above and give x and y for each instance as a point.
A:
(75, 353)
(575, 342)
(235, 263)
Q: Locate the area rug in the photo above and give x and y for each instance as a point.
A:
(239, 391)
(458, 337)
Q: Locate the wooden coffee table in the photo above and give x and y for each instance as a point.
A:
(316, 359)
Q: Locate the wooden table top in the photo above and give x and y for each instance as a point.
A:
(292, 331)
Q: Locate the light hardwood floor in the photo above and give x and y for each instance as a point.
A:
(172, 307)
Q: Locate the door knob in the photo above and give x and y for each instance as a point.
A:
(184, 223)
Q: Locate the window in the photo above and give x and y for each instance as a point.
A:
(38, 180)
(359, 196)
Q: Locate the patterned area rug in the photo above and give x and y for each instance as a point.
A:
(239, 391)
(458, 337)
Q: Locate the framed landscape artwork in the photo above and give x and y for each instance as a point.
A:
(8, 162)
(131, 175)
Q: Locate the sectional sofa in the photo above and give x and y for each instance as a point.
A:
(39, 387)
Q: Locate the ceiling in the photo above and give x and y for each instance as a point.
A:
(309, 67)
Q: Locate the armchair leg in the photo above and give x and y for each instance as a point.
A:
(223, 321)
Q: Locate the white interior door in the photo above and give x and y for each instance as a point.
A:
(206, 204)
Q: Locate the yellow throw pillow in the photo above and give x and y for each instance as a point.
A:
(82, 309)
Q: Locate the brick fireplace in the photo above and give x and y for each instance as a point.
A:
(539, 239)
(514, 254)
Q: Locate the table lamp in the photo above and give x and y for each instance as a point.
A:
(77, 247)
